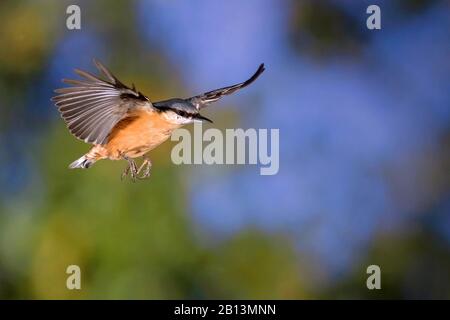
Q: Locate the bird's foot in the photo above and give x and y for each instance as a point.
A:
(131, 170)
(145, 166)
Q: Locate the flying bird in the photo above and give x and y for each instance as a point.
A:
(122, 123)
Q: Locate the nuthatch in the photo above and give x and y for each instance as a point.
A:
(124, 124)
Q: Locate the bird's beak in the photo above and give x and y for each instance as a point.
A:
(199, 117)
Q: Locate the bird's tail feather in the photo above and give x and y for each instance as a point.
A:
(82, 163)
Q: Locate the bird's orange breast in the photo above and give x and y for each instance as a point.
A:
(137, 134)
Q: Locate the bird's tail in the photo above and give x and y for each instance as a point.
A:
(83, 163)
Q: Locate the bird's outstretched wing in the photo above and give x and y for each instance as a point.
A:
(92, 106)
(206, 98)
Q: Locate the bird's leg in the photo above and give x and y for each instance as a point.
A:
(147, 164)
(125, 172)
(130, 169)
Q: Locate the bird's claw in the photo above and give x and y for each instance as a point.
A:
(134, 172)
(147, 164)
(131, 170)
(125, 172)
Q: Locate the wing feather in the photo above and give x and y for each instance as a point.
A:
(206, 98)
(93, 106)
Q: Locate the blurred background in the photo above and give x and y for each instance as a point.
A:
(364, 152)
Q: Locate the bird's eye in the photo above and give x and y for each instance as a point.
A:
(181, 115)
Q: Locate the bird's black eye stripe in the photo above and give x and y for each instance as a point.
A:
(183, 113)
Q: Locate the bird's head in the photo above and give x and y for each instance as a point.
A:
(180, 112)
